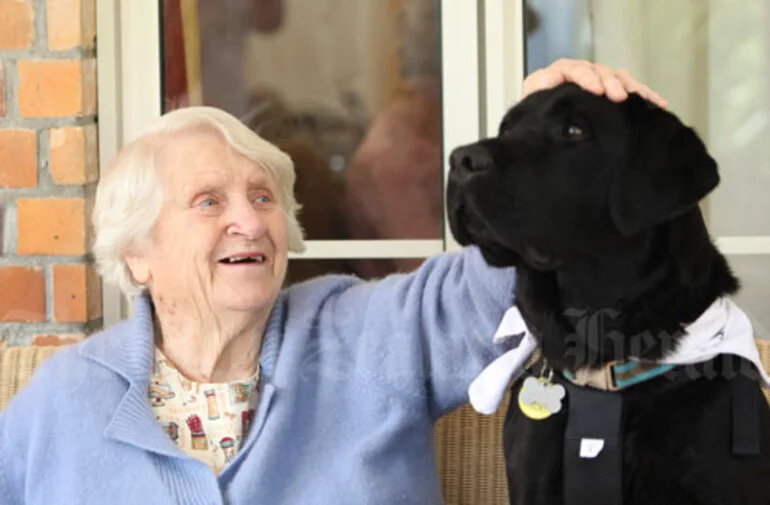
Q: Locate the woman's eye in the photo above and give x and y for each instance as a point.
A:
(208, 202)
(263, 199)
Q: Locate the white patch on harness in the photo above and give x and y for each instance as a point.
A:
(591, 447)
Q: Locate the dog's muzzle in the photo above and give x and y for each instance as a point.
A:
(468, 160)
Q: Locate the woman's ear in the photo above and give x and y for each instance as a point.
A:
(140, 269)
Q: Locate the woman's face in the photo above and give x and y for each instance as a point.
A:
(220, 241)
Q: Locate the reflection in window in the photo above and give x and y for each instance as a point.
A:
(349, 88)
(557, 29)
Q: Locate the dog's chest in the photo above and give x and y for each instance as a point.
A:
(668, 449)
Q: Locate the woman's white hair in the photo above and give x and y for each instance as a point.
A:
(129, 196)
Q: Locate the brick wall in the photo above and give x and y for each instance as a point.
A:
(49, 293)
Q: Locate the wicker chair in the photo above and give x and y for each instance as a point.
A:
(468, 445)
(16, 367)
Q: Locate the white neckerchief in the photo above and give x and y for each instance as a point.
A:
(722, 329)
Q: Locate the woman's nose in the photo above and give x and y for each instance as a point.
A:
(247, 221)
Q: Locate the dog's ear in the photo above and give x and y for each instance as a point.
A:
(666, 172)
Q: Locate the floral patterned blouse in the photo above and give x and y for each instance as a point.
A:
(206, 421)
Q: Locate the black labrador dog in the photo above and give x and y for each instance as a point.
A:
(597, 205)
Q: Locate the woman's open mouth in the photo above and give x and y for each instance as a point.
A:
(244, 259)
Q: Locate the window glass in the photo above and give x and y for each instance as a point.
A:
(349, 88)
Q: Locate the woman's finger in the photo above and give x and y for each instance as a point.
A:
(596, 78)
(539, 80)
(581, 73)
(614, 87)
(634, 86)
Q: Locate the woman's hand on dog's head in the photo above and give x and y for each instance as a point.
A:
(594, 77)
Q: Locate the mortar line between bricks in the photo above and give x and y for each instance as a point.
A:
(11, 196)
(41, 146)
(6, 91)
(77, 53)
(44, 179)
(10, 237)
(40, 43)
(12, 112)
(46, 122)
(40, 261)
(54, 191)
(40, 327)
(49, 301)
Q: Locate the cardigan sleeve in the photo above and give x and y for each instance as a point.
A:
(429, 332)
(7, 493)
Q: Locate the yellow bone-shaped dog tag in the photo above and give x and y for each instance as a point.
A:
(539, 398)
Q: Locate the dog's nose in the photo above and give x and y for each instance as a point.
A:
(472, 158)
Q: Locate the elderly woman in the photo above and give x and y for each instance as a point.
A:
(224, 388)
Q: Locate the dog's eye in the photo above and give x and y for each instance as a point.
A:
(573, 132)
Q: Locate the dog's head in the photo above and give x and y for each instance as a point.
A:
(571, 173)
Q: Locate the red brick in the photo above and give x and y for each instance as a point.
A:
(18, 158)
(74, 155)
(24, 294)
(76, 294)
(51, 226)
(71, 24)
(57, 88)
(16, 24)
